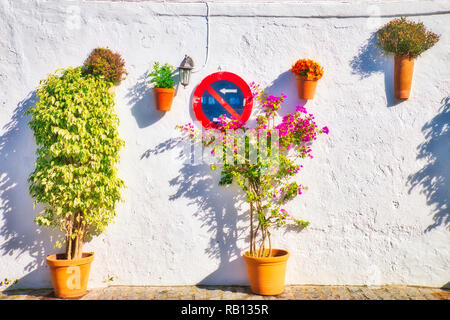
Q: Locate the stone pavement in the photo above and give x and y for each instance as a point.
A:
(299, 292)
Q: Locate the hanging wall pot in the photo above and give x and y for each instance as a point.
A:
(307, 73)
(403, 74)
(164, 91)
(306, 88)
(163, 98)
(406, 40)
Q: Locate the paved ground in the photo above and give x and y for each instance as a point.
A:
(240, 293)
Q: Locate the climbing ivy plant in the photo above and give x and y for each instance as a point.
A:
(75, 128)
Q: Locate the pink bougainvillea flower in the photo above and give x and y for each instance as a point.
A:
(301, 109)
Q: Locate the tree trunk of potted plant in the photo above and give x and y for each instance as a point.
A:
(403, 74)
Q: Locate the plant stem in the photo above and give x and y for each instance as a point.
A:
(69, 239)
(263, 240)
(254, 242)
(251, 228)
(270, 243)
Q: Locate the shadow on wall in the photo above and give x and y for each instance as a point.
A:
(18, 231)
(369, 60)
(287, 84)
(216, 209)
(143, 101)
(434, 177)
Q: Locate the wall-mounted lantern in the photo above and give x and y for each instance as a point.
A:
(185, 70)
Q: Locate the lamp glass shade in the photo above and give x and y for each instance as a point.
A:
(185, 75)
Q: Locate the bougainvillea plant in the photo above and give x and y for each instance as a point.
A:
(308, 68)
(106, 64)
(406, 38)
(162, 76)
(75, 178)
(266, 178)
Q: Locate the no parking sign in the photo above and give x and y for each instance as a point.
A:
(222, 93)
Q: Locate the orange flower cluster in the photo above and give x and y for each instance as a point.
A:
(309, 68)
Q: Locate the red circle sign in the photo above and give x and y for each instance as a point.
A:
(222, 93)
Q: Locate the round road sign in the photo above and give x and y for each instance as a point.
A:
(222, 93)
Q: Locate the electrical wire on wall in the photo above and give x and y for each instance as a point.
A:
(207, 40)
(207, 16)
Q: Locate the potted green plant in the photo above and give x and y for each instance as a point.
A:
(75, 178)
(106, 64)
(162, 79)
(406, 40)
(267, 180)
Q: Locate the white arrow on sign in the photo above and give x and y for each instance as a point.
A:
(225, 91)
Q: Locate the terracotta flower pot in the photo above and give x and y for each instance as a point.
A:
(306, 88)
(163, 98)
(403, 73)
(267, 275)
(112, 89)
(70, 277)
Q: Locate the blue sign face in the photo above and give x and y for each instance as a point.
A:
(222, 97)
(222, 93)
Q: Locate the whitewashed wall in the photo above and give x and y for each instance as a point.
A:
(378, 198)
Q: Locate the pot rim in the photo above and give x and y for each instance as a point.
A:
(164, 89)
(404, 56)
(304, 78)
(52, 260)
(284, 255)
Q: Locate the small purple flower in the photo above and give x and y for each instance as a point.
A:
(325, 130)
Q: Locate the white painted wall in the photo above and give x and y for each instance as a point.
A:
(379, 184)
